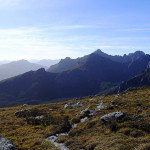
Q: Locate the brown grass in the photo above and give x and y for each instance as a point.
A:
(133, 133)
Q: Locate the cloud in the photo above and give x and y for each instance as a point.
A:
(54, 42)
(30, 43)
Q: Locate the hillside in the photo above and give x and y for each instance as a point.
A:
(16, 68)
(130, 130)
(142, 79)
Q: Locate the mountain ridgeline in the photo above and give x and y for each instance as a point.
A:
(70, 78)
(68, 63)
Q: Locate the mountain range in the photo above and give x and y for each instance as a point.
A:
(10, 69)
(70, 78)
(68, 63)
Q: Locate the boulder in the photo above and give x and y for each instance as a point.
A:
(114, 116)
(6, 144)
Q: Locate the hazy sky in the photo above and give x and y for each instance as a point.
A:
(37, 29)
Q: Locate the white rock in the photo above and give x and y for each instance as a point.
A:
(78, 104)
(39, 117)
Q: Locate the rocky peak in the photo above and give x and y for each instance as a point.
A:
(99, 52)
(137, 54)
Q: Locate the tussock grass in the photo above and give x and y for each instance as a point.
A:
(26, 132)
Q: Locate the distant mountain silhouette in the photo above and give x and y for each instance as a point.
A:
(68, 63)
(45, 62)
(17, 67)
(88, 75)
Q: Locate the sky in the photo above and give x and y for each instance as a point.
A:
(54, 29)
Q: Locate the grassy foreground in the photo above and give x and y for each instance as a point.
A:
(28, 133)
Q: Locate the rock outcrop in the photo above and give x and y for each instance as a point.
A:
(78, 104)
(6, 144)
(114, 116)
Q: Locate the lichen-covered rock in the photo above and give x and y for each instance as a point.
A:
(100, 106)
(73, 105)
(5, 144)
(53, 139)
(116, 116)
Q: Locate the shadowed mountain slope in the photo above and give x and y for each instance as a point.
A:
(142, 79)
